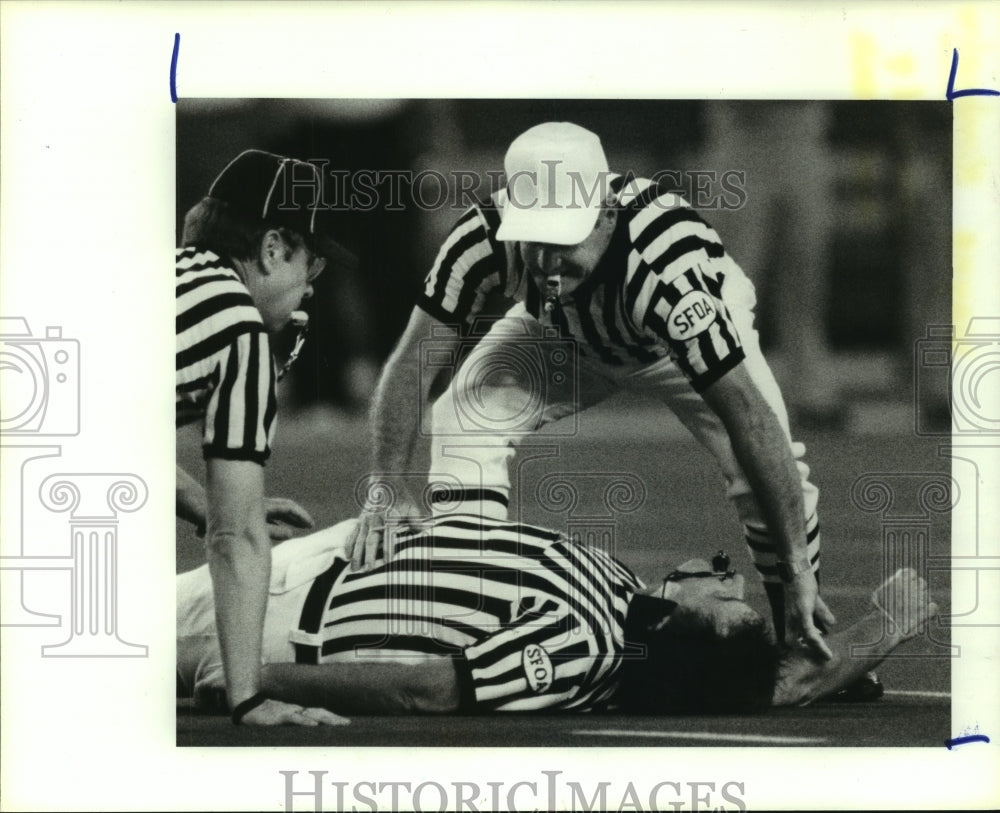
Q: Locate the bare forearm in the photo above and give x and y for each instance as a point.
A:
(366, 688)
(402, 396)
(240, 569)
(395, 413)
(239, 561)
(856, 650)
(763, 453)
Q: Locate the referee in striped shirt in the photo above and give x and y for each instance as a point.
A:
(607, 282)
(475, 615)
(251, 251)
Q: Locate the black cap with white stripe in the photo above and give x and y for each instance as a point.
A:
(282, 191)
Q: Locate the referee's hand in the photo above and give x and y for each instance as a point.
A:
(283, 517)
(373, 539)
(277, 712)
(806, 613)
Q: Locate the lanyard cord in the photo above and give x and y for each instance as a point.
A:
(302, 320)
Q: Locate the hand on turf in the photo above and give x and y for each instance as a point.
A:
(277, 712)
(806, 613)
(906, 603)
(283, 517)
(373, 539)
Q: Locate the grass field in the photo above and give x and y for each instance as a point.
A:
(319, 458)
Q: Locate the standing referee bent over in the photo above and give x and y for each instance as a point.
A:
(251, 252)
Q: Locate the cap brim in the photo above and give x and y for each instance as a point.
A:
(336, 255)
(563, 227)
(322, 240)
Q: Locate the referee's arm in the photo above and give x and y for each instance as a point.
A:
(403, 394)
(239, 560)
(367, 687)
(402, 397)
(764, 454)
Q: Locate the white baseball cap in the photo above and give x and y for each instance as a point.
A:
(557, 180)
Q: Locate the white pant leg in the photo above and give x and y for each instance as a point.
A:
(197, 638)
(515, 384)
(665, 381)
(294, 566)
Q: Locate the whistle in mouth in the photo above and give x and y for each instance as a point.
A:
(552, 289)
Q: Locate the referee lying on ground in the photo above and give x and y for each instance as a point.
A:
(477, 616)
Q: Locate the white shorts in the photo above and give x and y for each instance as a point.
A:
(295, 564)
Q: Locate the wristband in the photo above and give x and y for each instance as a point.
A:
(787, 571)
(242, 709)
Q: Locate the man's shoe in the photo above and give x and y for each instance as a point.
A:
(864, 690)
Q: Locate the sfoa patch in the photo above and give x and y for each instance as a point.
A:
(692, 315)
(537, 667)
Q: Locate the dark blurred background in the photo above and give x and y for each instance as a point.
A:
(845, 227)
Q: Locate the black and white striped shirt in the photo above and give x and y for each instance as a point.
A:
(225, 372)
(532, 620)
(657, 291)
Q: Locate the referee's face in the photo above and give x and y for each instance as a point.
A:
(286, 281)
(572, 263)
(719, 596)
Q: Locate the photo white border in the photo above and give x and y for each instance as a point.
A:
(87, 220)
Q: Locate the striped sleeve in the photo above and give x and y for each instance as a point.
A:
(225, 372)
(543, 659)
(469, 265)
(674, 286)
(239, 421)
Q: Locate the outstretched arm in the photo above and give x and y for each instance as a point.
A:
(900, 609)
(401, 397)
(763, 452)
(239, 563)
(429, 687)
